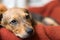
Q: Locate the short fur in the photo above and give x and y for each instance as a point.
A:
(19, 21)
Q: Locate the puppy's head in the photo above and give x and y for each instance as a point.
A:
(18, 21)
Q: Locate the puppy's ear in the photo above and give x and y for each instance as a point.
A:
(26, 11)
(31, 17)
(1, 16)
(3, 21)
(29, 14)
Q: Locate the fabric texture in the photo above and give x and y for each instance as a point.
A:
(41, 33)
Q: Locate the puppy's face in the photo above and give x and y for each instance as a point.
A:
(18, 21)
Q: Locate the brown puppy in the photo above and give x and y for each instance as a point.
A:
(18, 21)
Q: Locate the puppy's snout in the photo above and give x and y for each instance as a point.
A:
(29, 30)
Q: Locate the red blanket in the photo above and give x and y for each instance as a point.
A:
(41, 33)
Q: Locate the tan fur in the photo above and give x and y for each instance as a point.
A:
(2, 8)
(19, 15)
(50, 21)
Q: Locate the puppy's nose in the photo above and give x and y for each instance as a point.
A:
(29, 30)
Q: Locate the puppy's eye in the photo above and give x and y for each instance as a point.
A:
(27, 16)
(13, 22)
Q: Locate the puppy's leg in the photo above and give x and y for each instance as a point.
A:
(44, 20)
(50, 21)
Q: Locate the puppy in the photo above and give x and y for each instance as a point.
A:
(47, 21)
(18, 21)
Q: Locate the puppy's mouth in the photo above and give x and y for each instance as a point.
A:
(27, 34)
(24, 36)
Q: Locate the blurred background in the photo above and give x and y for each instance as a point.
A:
(35, 6)
(24, 3)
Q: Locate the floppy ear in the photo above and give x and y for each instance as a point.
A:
(29, 14)
(26, 10)
(3, 21)
(1, 16)
(31, 17)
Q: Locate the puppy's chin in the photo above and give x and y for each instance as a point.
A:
(22, 36)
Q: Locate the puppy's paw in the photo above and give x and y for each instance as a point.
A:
(50, 21)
